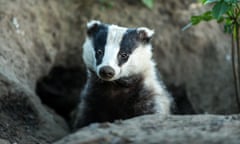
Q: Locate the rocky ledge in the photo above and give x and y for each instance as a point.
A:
(152, 129)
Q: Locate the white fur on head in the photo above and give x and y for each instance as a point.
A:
(148, 32)
(139, 60)
(92, 23)
(115, 35)
(88, 49)
(89, 54)
(92, 27)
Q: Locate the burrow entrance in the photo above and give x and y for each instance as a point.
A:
(60, 90)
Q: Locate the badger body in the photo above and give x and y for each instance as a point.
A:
(122, 78)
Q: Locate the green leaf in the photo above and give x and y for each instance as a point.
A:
(203, 1)
(219, 9)
(195, 20)
(207, 16)
(148, 3)
(221, 19)
(231, 1)
(209, 1)
(228, 26)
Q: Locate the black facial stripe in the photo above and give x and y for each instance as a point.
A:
(128, 44)
(99, 42)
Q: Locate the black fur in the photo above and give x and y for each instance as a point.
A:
(120, 99)
(128, 44)
(99, 42)
(130, 41)
(143, 37)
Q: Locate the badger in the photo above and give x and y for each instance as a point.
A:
(122, 78)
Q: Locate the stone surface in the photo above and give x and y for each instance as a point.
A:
(152, 129)
(2, 141)
(28, 46)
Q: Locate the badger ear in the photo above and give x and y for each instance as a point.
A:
(145, 34)
(92, 27)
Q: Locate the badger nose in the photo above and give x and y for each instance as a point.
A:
(106, 72)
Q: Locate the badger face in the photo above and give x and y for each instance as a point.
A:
(113, 52)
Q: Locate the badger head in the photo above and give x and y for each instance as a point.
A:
(113, 52)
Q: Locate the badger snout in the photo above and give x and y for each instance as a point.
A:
(106, 72)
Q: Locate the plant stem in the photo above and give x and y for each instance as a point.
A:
(234, 71)
(233, 66)
(237, 77)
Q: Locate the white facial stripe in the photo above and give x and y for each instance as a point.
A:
(115, 35)
(89, 54)
(139, 62)
(112, 48)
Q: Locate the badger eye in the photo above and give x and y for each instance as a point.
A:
(99, 52)
(124, 55)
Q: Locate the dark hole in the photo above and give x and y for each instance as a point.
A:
(60, 89)
(182, 104)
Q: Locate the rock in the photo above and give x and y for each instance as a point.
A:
(23, 118)
(2, 141)
(29, 38)
(150, 129)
